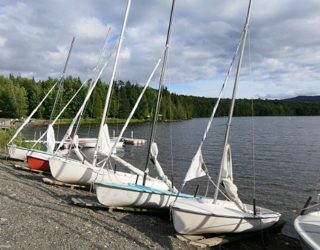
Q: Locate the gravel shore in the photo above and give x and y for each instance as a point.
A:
(34, 215)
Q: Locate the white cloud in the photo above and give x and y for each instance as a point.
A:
(88, 28)
(284, 54)
(2, 41)
(125, 54)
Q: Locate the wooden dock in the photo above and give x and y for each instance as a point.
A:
(52, 181)
(25, 168)
(92, 202)
(133, 141)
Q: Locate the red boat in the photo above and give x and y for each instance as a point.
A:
(38, 160)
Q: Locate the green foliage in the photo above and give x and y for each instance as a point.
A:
(13, 99)
(5, 137)
(19, 96)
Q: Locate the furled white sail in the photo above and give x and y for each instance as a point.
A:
(227, 179)
(197, 167)
(105, 144)
(51, 141)
(107, 102)
(132, 111)
(127, 165)
(154, 158)
(77, 152)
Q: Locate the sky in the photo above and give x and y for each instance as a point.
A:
(281, 57)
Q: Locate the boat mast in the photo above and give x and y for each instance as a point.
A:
(162, 74)
(104, 114)
(132, 112)
(45, 97)
(245, 31)
(93, 81)
(59, 92)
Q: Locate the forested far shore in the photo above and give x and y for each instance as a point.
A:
(19, 96)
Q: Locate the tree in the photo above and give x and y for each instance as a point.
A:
(13, 99)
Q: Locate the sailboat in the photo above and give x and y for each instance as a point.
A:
(202, 216)
(84, 172)
(140, 193)
(17, 152)
(39, 159)
(307, 225)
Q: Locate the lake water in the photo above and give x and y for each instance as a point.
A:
(286, 153)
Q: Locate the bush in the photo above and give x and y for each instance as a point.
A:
(6, 135)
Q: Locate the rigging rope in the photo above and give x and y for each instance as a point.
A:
(58, 127)
(60, 89)
(214, 112)
(59, 92)
(170, 131)
(161, 80)
(252, 119)
(97, 71)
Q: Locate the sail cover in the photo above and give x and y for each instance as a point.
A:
(227, 179)
(51, 141)
(104, 141)
(154, 158)
(77, 152)
(127, 165)
(197, 167)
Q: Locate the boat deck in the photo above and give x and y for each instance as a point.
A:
(308, 228)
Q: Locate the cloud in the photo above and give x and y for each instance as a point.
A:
(281, 56)
(88, 28)
(2, 41)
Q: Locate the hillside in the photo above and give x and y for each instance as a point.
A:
(305, 99)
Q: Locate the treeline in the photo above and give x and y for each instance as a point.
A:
(19, 96)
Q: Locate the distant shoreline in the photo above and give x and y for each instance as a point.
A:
(66, 121)
(85, 121)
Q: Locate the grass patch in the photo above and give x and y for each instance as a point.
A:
(6, 135)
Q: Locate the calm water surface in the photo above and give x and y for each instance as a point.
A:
(285, 155)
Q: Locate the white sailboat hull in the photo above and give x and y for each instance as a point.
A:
(74, 172)
(194, 216)
(308, 228)
(113, 195)
(43, 155)
(17, 153)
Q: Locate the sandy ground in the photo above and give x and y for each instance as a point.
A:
(35, 215)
